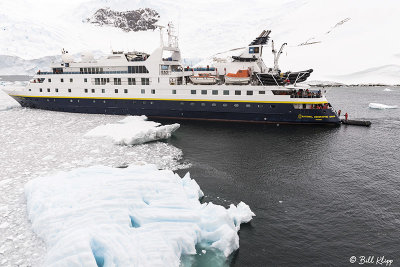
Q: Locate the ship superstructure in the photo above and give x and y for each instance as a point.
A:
(159, 86)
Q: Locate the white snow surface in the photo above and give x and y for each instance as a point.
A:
(343, 41)
(380, 106)
(134, 130)
(138, 216)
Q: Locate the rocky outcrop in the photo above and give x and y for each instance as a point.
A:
(135, 20)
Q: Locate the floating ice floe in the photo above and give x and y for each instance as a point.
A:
(134, 130)
(380, 106)
(387, 90)
(6, 102)
(138, 216)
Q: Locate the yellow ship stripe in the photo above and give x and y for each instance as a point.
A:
(194, 100)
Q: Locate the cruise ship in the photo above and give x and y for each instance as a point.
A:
(159, 86)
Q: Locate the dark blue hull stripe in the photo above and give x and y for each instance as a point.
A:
(221, 111)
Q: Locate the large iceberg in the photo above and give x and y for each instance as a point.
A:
(134, 130)
(137, 216)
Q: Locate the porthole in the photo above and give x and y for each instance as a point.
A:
(225, 105)
(192, 104)
(236, 105)
(214, 104)
(248, 105)
(203, 104)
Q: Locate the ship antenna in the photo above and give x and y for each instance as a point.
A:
(161, 34)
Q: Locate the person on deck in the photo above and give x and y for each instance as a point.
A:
(346, 116)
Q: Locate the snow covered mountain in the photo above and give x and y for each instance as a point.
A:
(343, 41)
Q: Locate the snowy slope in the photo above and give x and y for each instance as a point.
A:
(341, 37)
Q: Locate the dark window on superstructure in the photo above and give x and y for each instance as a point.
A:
(71, 80)
(56, 90)
(116, 91)
(137, 69)
(103, 81)
(85, 80)
(249, 92)
(40, 90)
(254, 50)
(69, 90)
(203, 92)
(238, 92)
(125, 91)
(86, 90)
(215, 92)
(145, 81)
(142, 91)
(153, 91)
(93, 91)
(226, 92)
(174, 92)
(117, 81)
(30, 89)
(49, 80)
(193, 92)
(97, 81)
(103, 91)
(261, 92)
(62, 80)
(48, 90)
(131, 81)
(81, 70)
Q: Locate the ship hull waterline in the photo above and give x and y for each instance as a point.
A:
(254, 112)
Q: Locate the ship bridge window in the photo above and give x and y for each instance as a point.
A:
(249, 92)
(137, 69)
(193, 92)
(203, 92)
(226, 92)
(238, 92)
(254, 50)
(57, 70)
(103, 81)
(131, 81)
(145, 81)
(96, 81)
(117, 81)
(176, 68)
(215, 92)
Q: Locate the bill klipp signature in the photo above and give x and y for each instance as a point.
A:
(376, 260)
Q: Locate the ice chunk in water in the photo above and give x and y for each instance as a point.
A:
(137, 216)
(134, 130)
(380, 106)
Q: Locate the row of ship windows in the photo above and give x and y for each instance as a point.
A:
(153, 91)
(117, 81)
(182, 103)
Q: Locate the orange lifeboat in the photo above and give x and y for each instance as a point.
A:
(240, 77)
